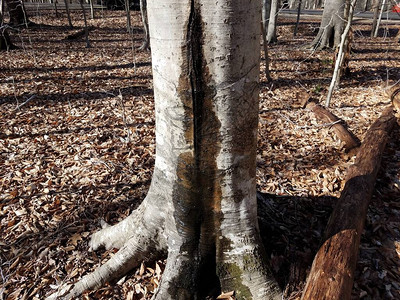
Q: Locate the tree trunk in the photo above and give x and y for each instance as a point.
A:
(128, 16)
(68, 14)
(266, 55)
(17, 13)
(332, 273)
(273, 18)
(145, 21)
(5, 41)
(378, 22)
(332, 25)
(201, 207)
(91, 9)
(343, 50)
(376, 6)
(298, 18)
(266, 11)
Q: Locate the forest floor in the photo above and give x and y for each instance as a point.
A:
(77, 147)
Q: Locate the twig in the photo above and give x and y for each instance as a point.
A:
(22, 104)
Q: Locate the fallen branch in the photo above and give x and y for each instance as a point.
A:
(350, 140)
(332, 272)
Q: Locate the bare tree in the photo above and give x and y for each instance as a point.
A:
(201, 207)
(273, 18)
(145, 21)
(5, 41)
(332, 25)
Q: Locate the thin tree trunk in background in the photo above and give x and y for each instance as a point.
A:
(86, 26)
(145, 22)
(273, 17)
(339, 60)
(379, 19)
(298, 18)
(68, 14)
(375, 17)
(332, 272)
(91, 9)
(5, 41)
(266, 55)
(349, 140)
(55, 8)
(128, 16)
(332, 25)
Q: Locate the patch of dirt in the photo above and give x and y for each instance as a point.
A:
(77, 147)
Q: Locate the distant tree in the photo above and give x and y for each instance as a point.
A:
(18, 15)
(332, 25)
(272, 23)
(143, 12)
(5, 41)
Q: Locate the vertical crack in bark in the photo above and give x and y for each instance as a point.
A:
(195, 65)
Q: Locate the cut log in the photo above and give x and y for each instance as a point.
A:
(350, 140)
(332, 272)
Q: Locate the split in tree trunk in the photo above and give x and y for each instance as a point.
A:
(332, 272)
(349, 140)
(201, 207)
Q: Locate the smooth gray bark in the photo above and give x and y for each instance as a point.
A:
(273, 18)
(339, 60)
(332, 25)
(201, 206)
(145, 21)
(128, 16)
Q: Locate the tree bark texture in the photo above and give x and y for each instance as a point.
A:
(332, 25)
(201, 207)
(348, 139)
(272, 23)
(17, 13)
(332, 272)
